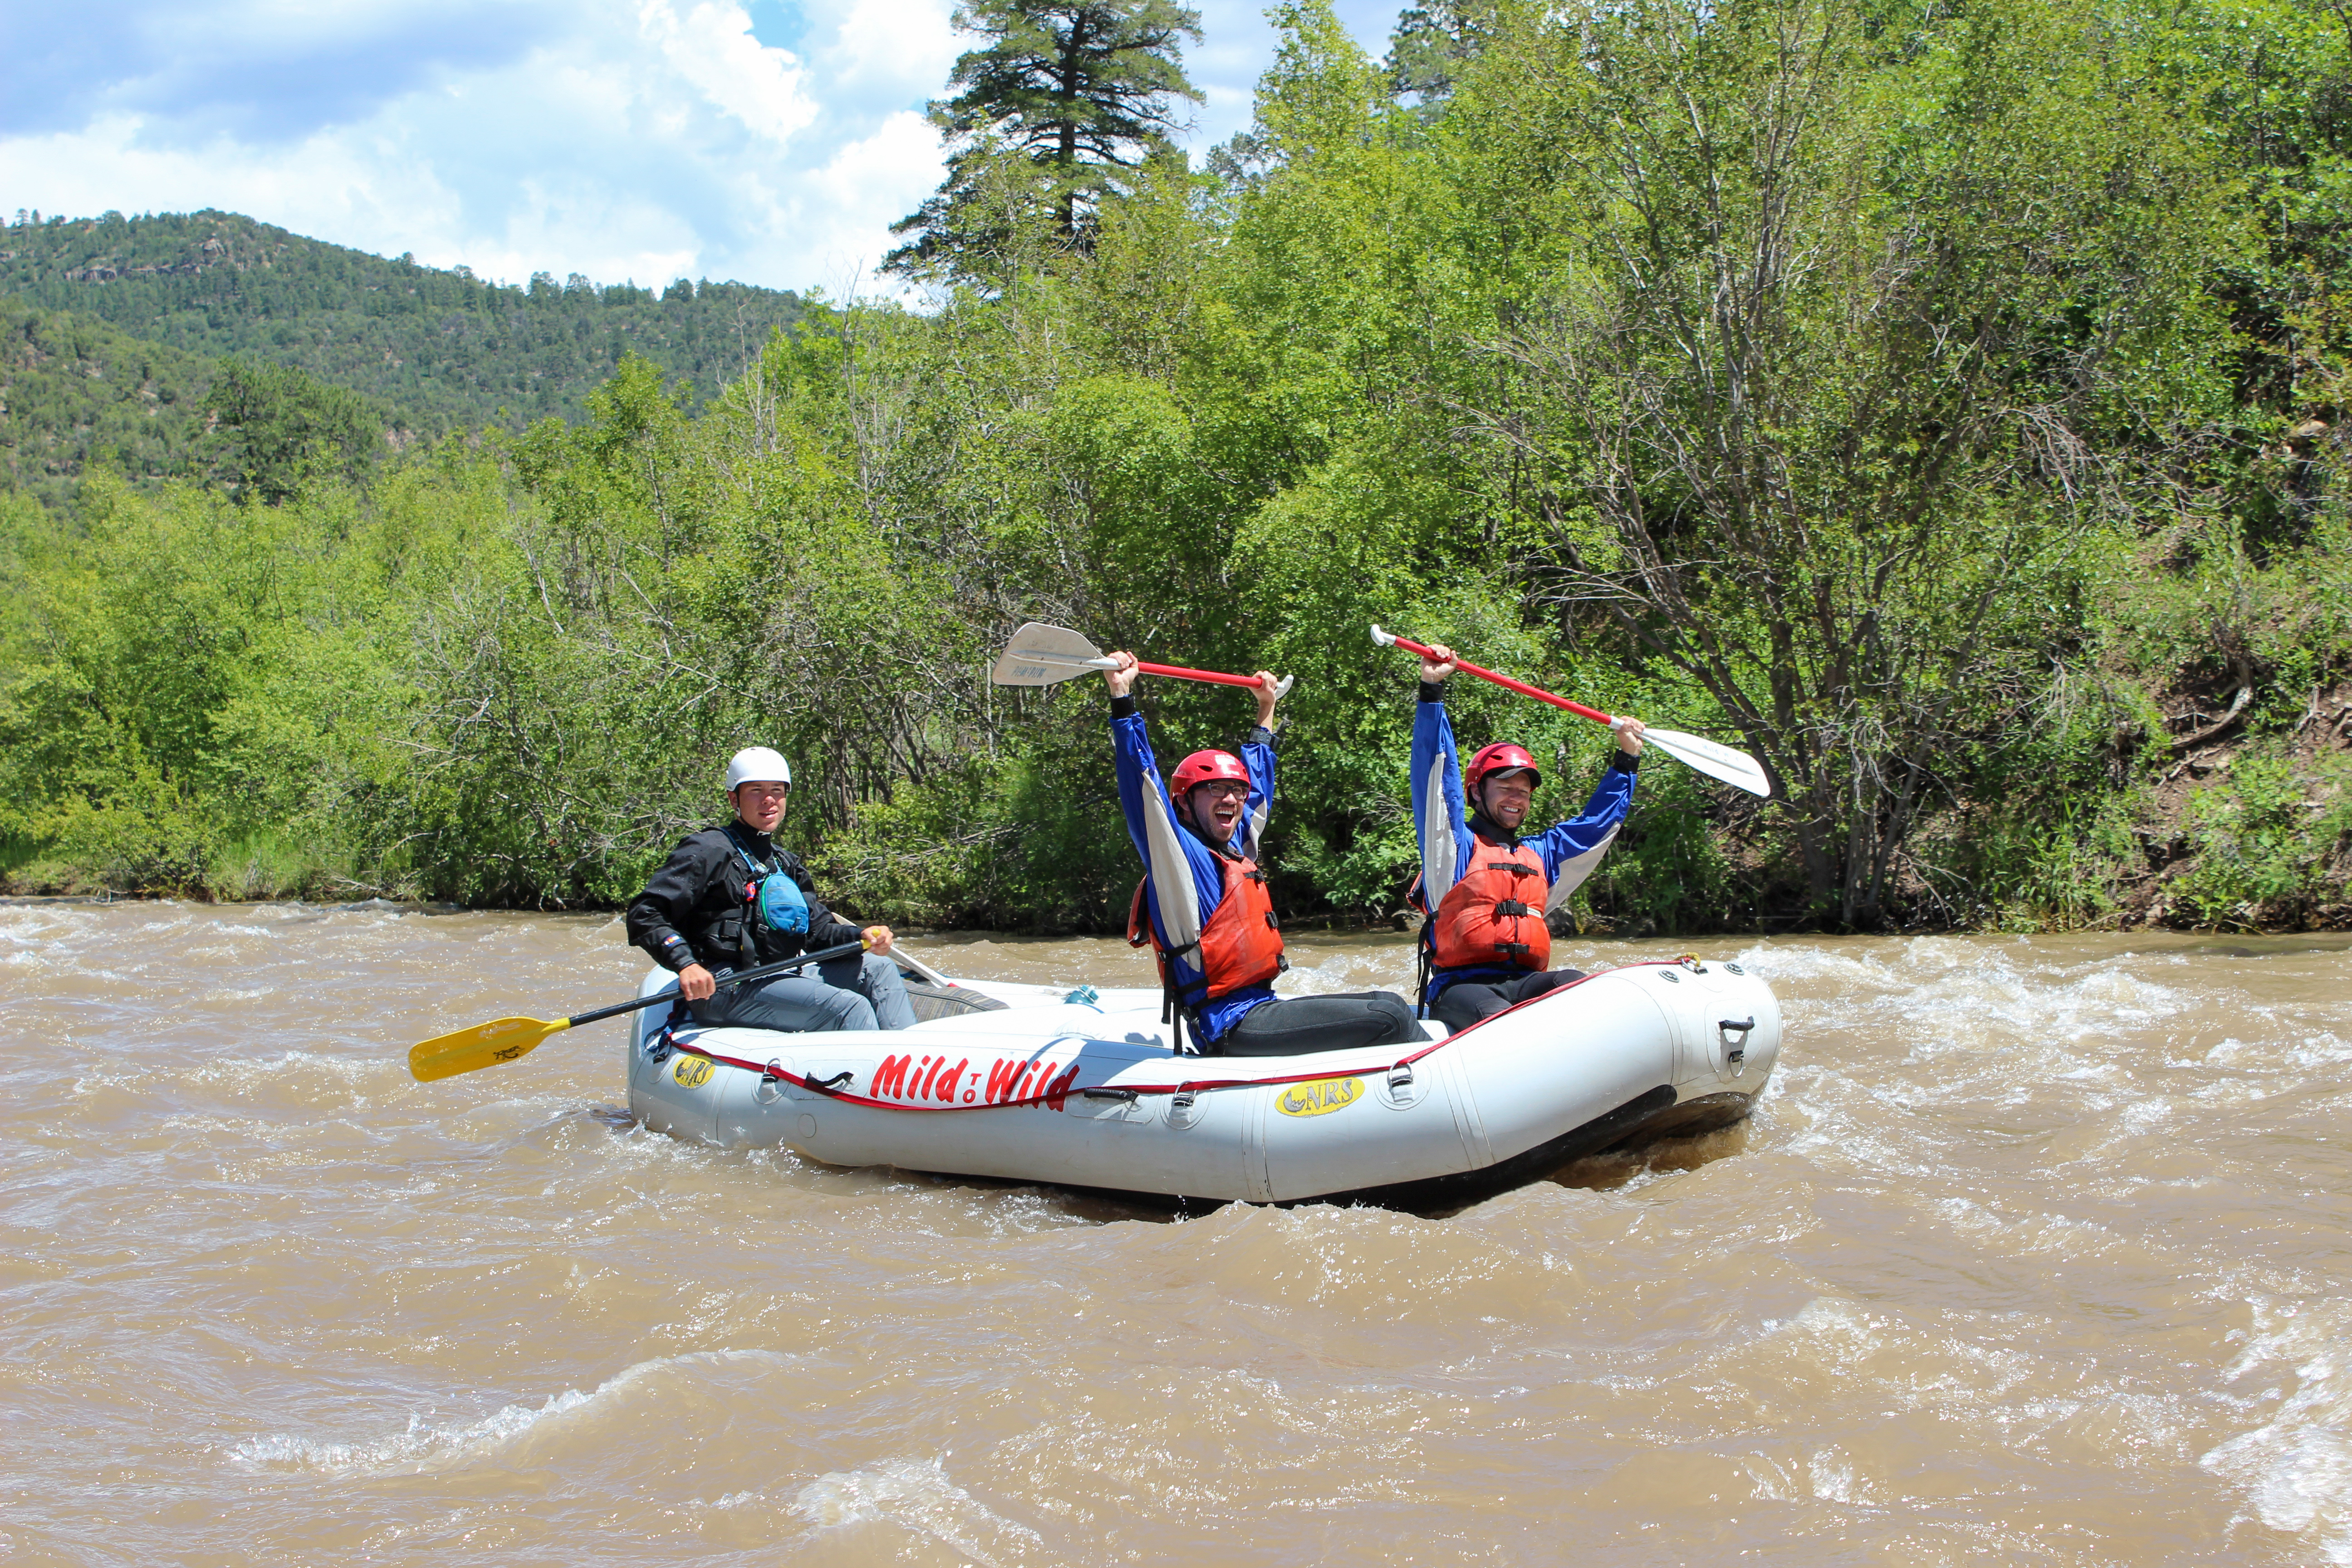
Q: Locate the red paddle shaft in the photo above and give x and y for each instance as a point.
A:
(1180, 673)
(1521, 687)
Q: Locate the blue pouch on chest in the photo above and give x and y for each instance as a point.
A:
(782, 905)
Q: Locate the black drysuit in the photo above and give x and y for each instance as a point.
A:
(699, 909)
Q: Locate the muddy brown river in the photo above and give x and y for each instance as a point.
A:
(2036, 1251)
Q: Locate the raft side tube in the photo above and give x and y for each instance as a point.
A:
(1625, 1054)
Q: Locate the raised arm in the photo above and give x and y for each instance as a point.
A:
(1441, 819)
(1572, 850)
(1176, 862)
(1257, 756)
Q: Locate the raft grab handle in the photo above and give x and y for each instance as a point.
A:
(1734, 1052)
(1098, 1092)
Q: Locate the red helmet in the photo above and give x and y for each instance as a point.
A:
(1202, 767)
(1502, 757)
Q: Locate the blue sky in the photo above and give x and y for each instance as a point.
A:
(769, 141)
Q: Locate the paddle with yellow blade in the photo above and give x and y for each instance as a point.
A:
(510, 1039)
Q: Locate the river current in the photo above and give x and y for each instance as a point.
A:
(2035, 1251)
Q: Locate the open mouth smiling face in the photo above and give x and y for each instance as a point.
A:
(1217, 806)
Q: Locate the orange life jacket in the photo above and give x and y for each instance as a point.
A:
(1240, 945)
(1495, 914)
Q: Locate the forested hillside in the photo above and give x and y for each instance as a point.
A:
(1942, 403)
(76, 393)
(446, 349)
(71, 385)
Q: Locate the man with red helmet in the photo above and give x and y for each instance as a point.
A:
(1488, 890)
(1203, 904)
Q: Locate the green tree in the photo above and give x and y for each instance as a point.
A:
(1830, 399)
(1063, 99)
(1431, 43)
(275, 424)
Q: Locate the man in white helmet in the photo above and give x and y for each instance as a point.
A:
(728, 899)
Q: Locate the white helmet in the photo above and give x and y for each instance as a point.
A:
(757, 764)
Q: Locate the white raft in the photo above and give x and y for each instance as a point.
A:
(1041, 1088)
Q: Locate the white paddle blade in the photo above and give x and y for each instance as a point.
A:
(1040, 655)
(1734, 768)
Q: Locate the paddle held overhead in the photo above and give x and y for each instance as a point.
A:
(1736, 768)
(510, 1039)
(1040, 655)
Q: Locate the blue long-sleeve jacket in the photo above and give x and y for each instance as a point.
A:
(1183, 881)
(1441, 816)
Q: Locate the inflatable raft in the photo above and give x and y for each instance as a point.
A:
(1028, 1084)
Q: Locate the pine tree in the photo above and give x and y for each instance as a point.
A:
(1062, 96)
(1431, 43)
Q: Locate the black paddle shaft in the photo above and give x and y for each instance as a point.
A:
(822, 955)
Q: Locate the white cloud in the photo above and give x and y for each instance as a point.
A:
(713, 49)
(624, 139)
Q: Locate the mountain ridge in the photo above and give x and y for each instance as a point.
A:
(444, 348)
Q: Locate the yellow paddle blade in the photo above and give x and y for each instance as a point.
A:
(480, 1045)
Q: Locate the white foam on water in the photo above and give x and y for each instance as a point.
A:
(2304, 1053)
(1852, 1121)
(1362, 971)
(1964, 992)
(1846, 1325)
(2295, 1469)
(427, 1448)
(419, 1449)
(39, 927)
(295, 1072)
(913, 1495)
(1830, 966)
(1831, 1475)
(1772, 1480)
(349, 1068)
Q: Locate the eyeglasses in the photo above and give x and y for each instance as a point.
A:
(1223, 789)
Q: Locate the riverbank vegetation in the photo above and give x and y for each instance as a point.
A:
(1943, 404)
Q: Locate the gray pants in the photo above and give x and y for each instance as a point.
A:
(861, 992)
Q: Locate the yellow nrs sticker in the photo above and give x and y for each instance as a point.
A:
(1320, 1098)
(691, 1072)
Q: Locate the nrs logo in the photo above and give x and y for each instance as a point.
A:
(1320, 1097)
